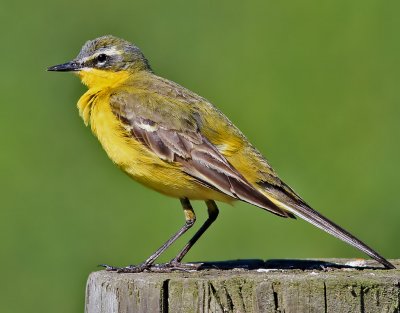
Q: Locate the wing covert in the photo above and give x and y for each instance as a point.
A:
(177, 138)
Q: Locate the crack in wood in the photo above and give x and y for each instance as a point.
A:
(165, 296)
(362, 304)
(229, 301)
(325, 299)
(398, 297)
(216, 296)
(276, 300)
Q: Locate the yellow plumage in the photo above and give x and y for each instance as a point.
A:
(126, 152)
(177, 143)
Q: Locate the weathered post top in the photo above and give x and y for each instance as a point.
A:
(250, 286)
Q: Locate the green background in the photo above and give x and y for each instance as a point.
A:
(313, 84)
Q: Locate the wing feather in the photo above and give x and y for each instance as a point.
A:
(178, 141)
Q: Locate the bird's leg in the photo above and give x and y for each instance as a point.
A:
(190, 218)
(212, 216)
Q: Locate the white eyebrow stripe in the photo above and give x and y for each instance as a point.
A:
(108, 51)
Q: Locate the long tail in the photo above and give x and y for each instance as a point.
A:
(290, 202)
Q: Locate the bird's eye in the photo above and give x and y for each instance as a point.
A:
(101, 58)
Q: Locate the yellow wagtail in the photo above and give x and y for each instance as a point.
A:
(177, 143)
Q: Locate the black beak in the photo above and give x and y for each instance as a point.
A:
(66, 67)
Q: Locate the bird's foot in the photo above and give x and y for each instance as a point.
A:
(159, 268)
(127, 269)
(175, 266)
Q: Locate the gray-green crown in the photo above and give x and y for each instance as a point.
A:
(111, 53)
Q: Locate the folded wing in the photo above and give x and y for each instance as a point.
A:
(176, 138)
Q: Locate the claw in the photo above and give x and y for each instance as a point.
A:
(175, 266)
(133, 268)
(160, 268)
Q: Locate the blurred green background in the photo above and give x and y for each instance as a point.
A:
(313, 84)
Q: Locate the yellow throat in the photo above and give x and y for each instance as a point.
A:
(97, 81)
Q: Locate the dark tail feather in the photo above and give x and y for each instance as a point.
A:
(330, 227)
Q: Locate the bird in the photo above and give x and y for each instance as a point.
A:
(176, 142)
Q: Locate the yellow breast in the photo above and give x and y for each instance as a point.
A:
(131, 156)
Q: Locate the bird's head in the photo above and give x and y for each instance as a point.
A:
(105, 59)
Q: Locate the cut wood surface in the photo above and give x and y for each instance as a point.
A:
(250, 286)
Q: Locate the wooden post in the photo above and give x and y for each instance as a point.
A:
(250, 286)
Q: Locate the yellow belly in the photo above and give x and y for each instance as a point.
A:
(140, 163)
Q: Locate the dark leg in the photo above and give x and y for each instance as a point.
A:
(190, 218)
(212, 216)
